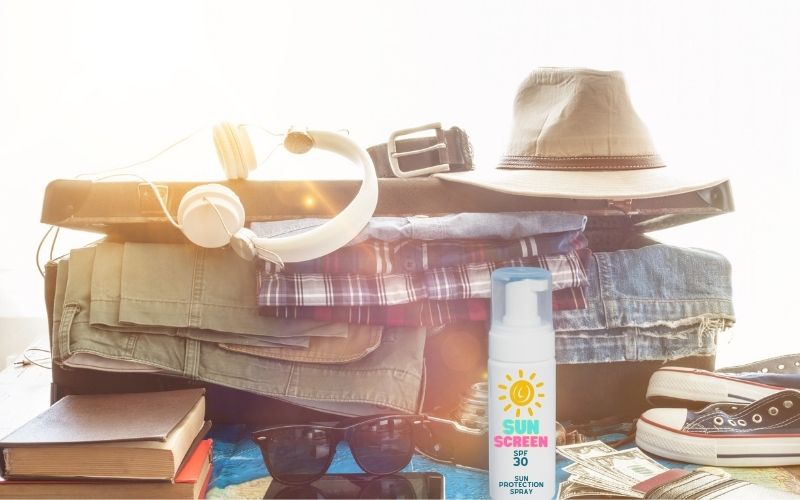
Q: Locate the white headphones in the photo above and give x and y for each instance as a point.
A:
(212, 216)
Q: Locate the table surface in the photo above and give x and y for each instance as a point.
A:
(24, 392)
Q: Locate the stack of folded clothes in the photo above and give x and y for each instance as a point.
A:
(424, 271)
(657, 302)
(192, 312)
(309, 332)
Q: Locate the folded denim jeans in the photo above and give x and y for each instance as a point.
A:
(638, 344)
(505, 226)
(653, 303)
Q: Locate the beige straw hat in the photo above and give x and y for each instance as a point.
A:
(576, 135)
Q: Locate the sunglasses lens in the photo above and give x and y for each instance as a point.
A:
(383, 445)
(297, 455)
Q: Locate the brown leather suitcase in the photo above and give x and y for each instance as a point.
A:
(128, 211)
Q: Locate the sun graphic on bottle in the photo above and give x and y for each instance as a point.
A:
(522, 392)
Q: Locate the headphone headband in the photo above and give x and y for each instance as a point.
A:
(340, 230)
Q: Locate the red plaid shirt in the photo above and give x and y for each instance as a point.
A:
(469, 281)
(427, 313)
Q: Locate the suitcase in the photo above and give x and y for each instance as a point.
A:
(129, 211)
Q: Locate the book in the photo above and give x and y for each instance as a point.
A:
(191, 482)
(113, 436)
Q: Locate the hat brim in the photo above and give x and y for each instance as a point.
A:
(612, 184)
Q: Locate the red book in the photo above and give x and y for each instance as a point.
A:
(191, 482)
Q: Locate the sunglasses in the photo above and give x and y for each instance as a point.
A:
(300, 454)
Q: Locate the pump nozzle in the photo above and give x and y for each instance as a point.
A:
(521, 299)
(522, 302)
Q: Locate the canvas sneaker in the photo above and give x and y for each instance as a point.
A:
(736, 384)
(764, 433)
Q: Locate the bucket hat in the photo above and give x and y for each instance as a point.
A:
(575, 134)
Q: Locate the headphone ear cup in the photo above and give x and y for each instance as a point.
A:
(225, 150)
(246, 153)
(234, 150)
(210, 214)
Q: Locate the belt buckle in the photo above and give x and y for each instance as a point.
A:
(394, 156)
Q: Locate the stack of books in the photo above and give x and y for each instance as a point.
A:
(148, 445)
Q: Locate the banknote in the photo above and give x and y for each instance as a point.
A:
(631, 463)
(582, 453)
(581, 470)
(598, 468)
(590, 477)
(569, 489)
(620, 490)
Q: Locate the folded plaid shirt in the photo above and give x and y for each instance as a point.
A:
(470, 281)
(413, 256)
(427, 313)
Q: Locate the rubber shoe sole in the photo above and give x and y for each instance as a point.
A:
(729, 450)
(690, 384)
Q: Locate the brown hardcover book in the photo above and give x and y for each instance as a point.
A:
(116, 436)
(190, 483)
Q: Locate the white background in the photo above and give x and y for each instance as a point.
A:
(87, 86)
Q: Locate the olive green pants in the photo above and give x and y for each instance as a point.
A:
(388, 377)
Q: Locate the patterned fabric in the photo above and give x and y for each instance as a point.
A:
(413, 256)
(470, 281)
(423, 313)
(459, 226)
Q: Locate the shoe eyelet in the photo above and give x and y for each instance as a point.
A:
(734, 407)
(797, 363)
(732, 423)
(781, 367)
(757, 418)
(788, 404)
(773, 411)
(742, 422)
(718, 421)
(764, 370)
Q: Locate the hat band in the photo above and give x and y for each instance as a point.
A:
(591, 163)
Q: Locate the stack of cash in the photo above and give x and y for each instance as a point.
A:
(601, 471)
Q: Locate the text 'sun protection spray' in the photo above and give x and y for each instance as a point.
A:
(522, 385)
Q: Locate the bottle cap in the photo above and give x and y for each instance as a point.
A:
(521, 298)
(522, 314)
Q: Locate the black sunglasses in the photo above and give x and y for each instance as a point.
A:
(300, 454)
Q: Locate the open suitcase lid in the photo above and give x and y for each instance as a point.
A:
(130, 209)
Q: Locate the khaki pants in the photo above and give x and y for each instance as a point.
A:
(389, 376)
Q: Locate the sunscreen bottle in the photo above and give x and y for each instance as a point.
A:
(522, 385)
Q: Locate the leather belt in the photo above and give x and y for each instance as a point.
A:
(447, 151)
